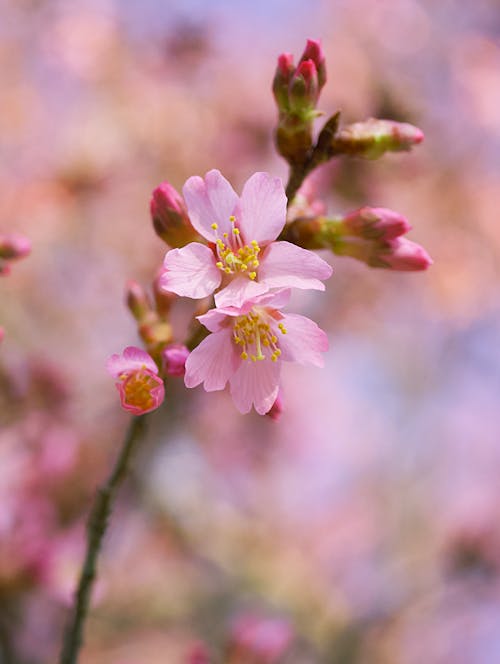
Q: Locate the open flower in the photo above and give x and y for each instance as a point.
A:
(141, 389)
(242, 257)
(248, 345)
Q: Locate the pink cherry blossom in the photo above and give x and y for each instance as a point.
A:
(248, 345)
(242, 258)
(141, 389)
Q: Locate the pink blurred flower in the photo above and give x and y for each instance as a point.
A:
(277, 407)
(246, 348)
(174, 359)
(239, 229)
(141, 389)
(12, 247)
(263, 640)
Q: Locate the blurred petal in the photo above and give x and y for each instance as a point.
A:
(285, 264)
(238, 291)
(210, 200)
(262, 208)
(255, 383)
(212, 362)
(132, 359)
(190, 271)
(304, 342)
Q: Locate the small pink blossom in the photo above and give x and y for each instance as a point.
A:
(141, 389)
(247, 346)
(404, 255)
(174, 359)
(242, 258)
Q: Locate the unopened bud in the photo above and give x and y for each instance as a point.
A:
(401, 254)
(372, 138)
(14, 246)
(281, 81)
(314, 52)
(137, 301)
(170, 218)
(375, 224)
(174, 359)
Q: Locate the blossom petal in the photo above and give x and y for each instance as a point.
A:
(212, 362)
(131, 359)
(255, 383)
(210, 200)
(304, 342)
(214, 319)
(238, 291)
(285, 264)
(190, 271)
(262, 209)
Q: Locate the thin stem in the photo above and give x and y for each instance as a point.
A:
(96, 529)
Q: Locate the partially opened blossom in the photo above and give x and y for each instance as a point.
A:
(248, 345)
(141, 389)
(242, 258)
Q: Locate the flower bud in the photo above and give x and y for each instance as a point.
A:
(314, 52)
(372, 138)
(401, 254)
(304, 89)
(281, 81)
(174, 359)
(14, 246)
(375, 224)
(137, 301)
(170, 218)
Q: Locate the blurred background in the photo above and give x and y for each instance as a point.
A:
(364, 526)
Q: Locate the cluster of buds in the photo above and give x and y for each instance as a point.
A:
(372, 138)
(12, 248)
(296, 91)
(371, 235)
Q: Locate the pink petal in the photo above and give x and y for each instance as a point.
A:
(285, 264)
(214, 319)
(276, 299)
(190, 271)
(262, 208)
(238, 291)
(132, 358)
(212, 362)
(255, 383)
(304, 342)
(210, 200)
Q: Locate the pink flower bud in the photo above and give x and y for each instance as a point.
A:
(277, 408)
(137, 300)
(401, 254)
(141, 389)
(371, 138)
(170, 218)
(375, 224)
(314, 52)
(14, 246)
(304, 89)
(281, 81)
(174, 359)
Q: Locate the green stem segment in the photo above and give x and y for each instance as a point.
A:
(96, 529)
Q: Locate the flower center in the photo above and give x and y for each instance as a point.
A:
(256, 336)
(137, 388)
(234, 256)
